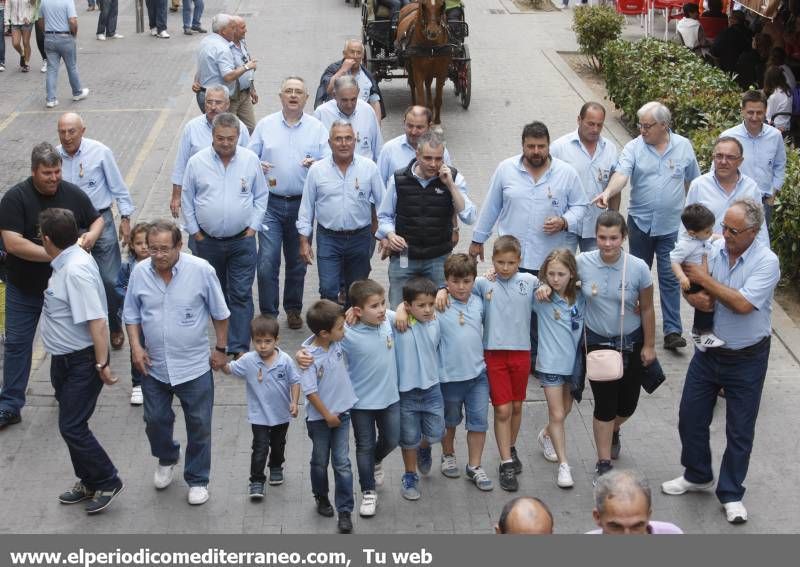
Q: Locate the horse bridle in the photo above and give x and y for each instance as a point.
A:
(442, 24)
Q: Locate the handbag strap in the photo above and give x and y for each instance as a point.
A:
(621, 309)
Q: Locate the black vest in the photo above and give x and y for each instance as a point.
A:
(424, 216)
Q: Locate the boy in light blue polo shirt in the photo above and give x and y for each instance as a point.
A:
(421, 404)
(273, 390)
(326, 385)
(462, 370)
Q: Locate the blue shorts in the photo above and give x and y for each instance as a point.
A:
(551, 380)
(473, 396)
(421, 415)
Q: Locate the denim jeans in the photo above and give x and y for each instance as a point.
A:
(468, 398)
(157, 14)
(279, 221)
(107, 22)
(432, 268)
(332, 443)
(3, 40)
(742, 375)
(58, 47)
(373, 445)
(197, 400)
(235, 264)
(136, 376)
(267, 440)
(22, 316)
(421, 416)
(192, 20)
(644, 246)
(107, 255)
(340, 255)
(77, 387)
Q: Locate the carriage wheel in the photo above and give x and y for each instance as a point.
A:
(465, 80)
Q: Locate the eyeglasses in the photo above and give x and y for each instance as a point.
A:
(646, 127)
(299, 92)
(726, 157)
(160, 251)
(735, 231)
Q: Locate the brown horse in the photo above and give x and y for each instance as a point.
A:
(423, 38)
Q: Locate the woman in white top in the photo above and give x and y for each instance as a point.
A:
(779, 98)
(19, 13)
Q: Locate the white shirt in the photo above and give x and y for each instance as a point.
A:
(777, 102)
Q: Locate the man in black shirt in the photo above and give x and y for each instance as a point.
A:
(28, 265)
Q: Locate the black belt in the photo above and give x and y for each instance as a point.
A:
(58, 33)
(223, 238)
(321, 228)
(104, 211)
(286, 197)
(742, 352)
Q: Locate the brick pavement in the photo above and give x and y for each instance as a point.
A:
(140, 98)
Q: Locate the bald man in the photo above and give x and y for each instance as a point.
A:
(91, 166)
(352, 64)
(525, 515)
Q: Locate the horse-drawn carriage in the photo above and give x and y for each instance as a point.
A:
(387, 58)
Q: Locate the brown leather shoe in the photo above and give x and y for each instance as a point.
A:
(294, 320)
(117, 340)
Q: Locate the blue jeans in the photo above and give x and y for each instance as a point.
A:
(136, 376)
(192, 20)
(471, 396)
(742, 375)
(107, 255)
(22, 316)
(77, 387)
(58, 47)
(332, 444)
(421, 416)
(197, 400)
(373, 445)
(644, 246)
(107, 22)
(340, 255)
(157, 14)
(432, 268)
(2, 39)
(235, 263)
(279, 221)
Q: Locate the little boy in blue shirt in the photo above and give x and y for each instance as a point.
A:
(273, 390)
(326, 385)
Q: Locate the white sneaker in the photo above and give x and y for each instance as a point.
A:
(710, 340)
(564, 476)
(548, 450)
(680, 485)
(154, 32)
(198, 495)
(101, 37)
(163, 476)
(369, 502)
(117, 36)
(83, 95)
(378, 474)
(735, 512)
(450, 466)
(51, 103)
(136, 396)
(698, 343)
(164, 35)
(44, 67)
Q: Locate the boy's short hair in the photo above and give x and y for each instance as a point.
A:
(263, 326)
(322, 316)
(697, 217)
(611, 219)
(460, 266)
(362, 290)
(507, 243)
(415, 287)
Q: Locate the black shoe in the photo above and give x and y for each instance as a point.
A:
(616, 446)
(256, 490)
(324, 507)
(8, 418)
(187, 31)
(517, 462)
(275, 476)
(345, 524)
(601, 468)
(199, 29)
(508, 479)
(673, 341)
(102, 499)
(77, 493)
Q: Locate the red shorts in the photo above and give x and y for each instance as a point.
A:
(508, 375)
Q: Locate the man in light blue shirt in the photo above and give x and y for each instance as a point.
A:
(594, 158)
(660, 165)
(347, 106)
(91, 166)
(764, 149)
(739, 288)
(171, 297)
(246, 96)
(75, 333)
(196, 136)
(338, 193)
(287, 142)
(61, 29)
(224, 199)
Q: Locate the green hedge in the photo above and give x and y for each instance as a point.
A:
(595, 26)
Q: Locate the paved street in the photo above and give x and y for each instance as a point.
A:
(140, 97)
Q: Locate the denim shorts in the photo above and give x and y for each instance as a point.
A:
(551, 380)
(471, 395)
(421, 416)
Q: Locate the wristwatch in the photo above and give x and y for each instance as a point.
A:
(100, 367)
(222, 349)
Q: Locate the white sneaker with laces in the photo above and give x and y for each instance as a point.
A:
(198, 495)
(548, 450)
(101, 37)
(137, 398)
(564, 476)
(710, 340)
(450, 466)
(44, 67)
(369, 502)
(154, 32)
(83, 95)
(163, 34)
(163, 476)
(680, 485)
(51, 103)
(378, 474)
(735, 512)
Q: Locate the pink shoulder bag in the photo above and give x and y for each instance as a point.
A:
(605, 365)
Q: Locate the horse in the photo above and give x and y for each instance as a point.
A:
(423, 38)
